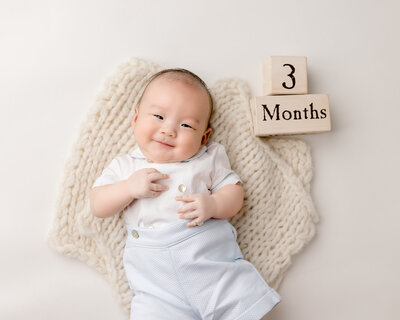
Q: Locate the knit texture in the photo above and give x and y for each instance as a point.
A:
(278, 217)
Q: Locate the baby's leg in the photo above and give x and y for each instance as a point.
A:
(152, 277)
(219, 283)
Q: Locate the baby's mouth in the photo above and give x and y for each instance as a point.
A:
(164, 144)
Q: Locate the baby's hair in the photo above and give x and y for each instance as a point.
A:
(181, 75)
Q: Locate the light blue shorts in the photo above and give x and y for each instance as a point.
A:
(177, 272)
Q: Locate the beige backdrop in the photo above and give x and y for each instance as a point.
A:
(54, 57)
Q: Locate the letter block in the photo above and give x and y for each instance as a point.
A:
(297, 114)
(285, 75)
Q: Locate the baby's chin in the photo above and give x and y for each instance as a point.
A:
(167, 157)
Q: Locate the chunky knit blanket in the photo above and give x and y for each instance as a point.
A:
(278, 217)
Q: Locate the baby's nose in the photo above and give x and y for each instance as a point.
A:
(168, 130)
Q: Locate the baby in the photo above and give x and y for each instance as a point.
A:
(177, 191)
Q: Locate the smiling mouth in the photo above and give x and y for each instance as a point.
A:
(164, 144)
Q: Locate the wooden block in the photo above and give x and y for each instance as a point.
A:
(285, 75)
(298, 114)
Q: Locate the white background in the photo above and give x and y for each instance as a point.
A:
(54, 58)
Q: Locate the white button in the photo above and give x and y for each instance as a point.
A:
(182, 188)
(135, 234)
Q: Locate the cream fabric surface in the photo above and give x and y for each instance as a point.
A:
(277, 220)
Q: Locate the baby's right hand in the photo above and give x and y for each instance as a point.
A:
(142, 184)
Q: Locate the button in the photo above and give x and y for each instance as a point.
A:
(135, 234)
(182, 188)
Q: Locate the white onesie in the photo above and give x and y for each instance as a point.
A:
(206, 172)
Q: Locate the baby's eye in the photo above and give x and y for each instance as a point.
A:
(186, 125)
(158, 116)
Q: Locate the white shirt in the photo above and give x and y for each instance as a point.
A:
(206, 172)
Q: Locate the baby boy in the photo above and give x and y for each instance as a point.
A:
(177, 191)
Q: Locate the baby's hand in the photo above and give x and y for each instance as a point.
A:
(142, 184)
(199, 207)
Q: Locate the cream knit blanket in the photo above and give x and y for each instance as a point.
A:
(278, 217)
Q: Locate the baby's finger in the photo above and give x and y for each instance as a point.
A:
(155, 176)
(158, 187)
(187, 207)
(153, 194)
(185, 198)
(150, 170)
(195, 222)
(188, 215)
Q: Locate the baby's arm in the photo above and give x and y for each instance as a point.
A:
(229, 200)
(110, 199)
(223, 204)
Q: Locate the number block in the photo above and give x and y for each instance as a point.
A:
(298, 114)
(285, 75)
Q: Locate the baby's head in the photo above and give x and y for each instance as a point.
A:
(171, 121)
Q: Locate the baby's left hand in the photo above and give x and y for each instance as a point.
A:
(199, 207)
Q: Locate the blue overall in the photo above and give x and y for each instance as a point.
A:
(180, 272)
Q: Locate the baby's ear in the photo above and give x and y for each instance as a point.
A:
(206, 136)
(135, 116)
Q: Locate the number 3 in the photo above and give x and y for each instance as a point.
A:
(291, 77)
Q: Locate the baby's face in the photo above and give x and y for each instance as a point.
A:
(170, 124)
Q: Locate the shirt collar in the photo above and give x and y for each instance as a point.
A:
(137, 154)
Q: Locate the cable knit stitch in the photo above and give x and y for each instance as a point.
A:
(278, 217)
